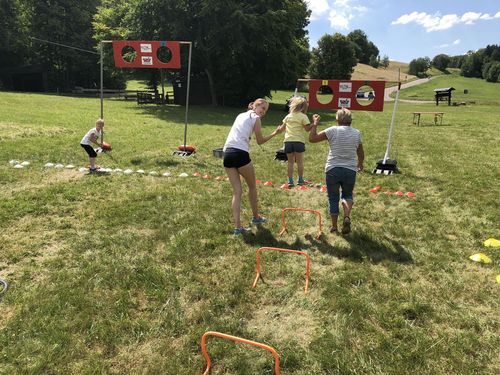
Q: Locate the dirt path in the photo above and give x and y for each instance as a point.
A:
(389, 90)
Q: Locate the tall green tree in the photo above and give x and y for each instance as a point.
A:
(419, 66)
(245, 49)
(385, 61)
(11, 34)
(66, 22)
(364, 48)
(473, 64)
(441, 61)
(334, 58)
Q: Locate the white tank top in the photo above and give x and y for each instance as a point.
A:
(241, 131)
(86, 138)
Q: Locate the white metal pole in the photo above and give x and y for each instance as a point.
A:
(187, 95)
(391, 128)
(102, 91)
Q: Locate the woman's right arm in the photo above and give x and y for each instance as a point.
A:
(261, 138)
(314, 136)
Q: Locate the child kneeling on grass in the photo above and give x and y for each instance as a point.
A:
(90, 138)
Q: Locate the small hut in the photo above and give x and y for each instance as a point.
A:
(443, 94)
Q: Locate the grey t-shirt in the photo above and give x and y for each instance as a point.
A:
(344, 142)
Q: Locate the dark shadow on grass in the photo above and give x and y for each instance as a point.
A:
(167, 163)
(363, 247)
(263, 237)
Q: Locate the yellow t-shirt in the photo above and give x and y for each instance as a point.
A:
(295, 123)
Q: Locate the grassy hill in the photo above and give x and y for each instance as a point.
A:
(479, 91)
(122, 274)
(366, 72)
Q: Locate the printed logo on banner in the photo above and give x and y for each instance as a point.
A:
(345, 102)
(345, 86)
(146, 48)
(147, 60)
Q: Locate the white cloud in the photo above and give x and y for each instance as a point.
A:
(318, 8)
(437, 22)
(455, 42)
(338, 12)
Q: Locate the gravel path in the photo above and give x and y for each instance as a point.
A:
(389, 90)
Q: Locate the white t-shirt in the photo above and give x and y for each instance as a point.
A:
(344, 142)
(86, 139)
(241, 131)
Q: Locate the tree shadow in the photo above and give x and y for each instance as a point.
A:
(363, 247)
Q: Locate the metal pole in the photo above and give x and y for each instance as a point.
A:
(387, 151)
(102, 91)
(187, 95)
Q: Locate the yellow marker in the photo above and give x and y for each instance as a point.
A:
(492, 242)
(498, 279)
(481, 258)
(324, 82)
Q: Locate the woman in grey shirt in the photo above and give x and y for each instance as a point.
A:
(345, 158)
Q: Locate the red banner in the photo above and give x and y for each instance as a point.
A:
(146, 54)
(347, 94)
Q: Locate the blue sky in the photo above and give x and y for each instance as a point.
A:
(408, 29)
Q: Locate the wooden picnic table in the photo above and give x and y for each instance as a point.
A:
(437, 115)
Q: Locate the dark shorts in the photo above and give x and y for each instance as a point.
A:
(235, 158)
(294, 147)
(89, 150)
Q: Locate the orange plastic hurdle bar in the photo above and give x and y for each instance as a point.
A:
(308, 262)
(283, 224)
(237, 339)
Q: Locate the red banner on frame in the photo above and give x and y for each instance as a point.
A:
(344, 95)
(147, 54)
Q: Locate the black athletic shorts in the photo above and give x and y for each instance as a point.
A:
(236, 158)
(294, 147)
(89, 150)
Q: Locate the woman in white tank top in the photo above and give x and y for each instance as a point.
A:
(237, 159)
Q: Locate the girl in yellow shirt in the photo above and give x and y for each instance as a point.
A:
(296, 123)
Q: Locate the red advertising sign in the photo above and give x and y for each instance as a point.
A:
(145, 54)
(347, 94)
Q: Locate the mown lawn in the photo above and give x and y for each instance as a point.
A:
(123, 274)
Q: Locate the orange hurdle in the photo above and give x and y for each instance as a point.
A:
(257, 276)
(283, 224)
(237, 339)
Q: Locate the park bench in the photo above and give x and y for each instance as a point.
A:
(437, 116)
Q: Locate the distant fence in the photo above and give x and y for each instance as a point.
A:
(142, 96)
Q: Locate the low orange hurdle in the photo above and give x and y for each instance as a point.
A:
(283, 224)
(260, 250)
(237, 339)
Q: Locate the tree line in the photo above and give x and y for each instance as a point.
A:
(241, 49)
(483, 63)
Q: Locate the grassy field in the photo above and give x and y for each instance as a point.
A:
(479, 91)
(123, 274)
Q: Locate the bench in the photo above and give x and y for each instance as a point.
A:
(437, 115)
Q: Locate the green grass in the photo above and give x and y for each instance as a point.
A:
(479, 90)
(123, 274)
